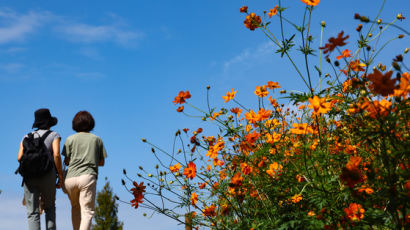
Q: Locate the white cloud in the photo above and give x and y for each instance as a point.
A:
(248, 55)
(16, 27)
(86, 33)
(91, 53)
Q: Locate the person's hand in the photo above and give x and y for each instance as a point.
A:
(60, 182)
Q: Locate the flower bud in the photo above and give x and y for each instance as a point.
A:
(208, 87)
(152, 150)
(122, 182)
(124, 172)
(141, 168)
(323, 24)
(156, 166)
(143, 140)
(406, 50)
(401, 36)
(379, 21)
(149, 175)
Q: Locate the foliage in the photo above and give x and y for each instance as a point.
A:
(336, 158)
(106, 211)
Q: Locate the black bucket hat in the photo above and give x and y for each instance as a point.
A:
(43, 119)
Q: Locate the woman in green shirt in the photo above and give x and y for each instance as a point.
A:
(83, 152)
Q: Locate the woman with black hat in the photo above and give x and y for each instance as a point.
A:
(45, 185)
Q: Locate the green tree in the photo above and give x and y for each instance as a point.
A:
(106, 211)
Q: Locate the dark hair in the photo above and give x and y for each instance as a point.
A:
(83, 122)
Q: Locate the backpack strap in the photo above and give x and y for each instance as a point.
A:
(45, 135)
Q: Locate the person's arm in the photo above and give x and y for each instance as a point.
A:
(20, 153)
(103, 153)
(57, 160)
(102, 162)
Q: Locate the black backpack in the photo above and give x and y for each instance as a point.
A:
(36, 159)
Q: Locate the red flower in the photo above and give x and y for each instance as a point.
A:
(334, 42)
(243, 9)
(355, 212)
(182, 96)
(252, 21)
(138, 192)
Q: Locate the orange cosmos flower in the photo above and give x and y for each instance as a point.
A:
(382, 84)
(138, 192)
(213, 150)
(355, 212)
(246, 169)
(175, 168)
(273, 11)
(252, 117)
(311, 213)
(194, 198)
(357, 66)
(345, 54)
(319, 105)
(353, 163)
(404, 86)
(218, 162)
(311, 2)
(190, 170)
(180, 109)
(229, 96)
(209, 211)
(264, 114)
(296, 198)
(236, 180)
(333, 42)
(273, 85)
(252, 21)
(368, 190)
(182, 96)
(251, 138)
(271, 124)
(273, 138)
(273, 102)
(377, 108)
(275, 169)
(301, 129)
(243, 9)
(236, 111)
(261, 91)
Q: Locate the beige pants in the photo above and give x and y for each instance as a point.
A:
(81, 191)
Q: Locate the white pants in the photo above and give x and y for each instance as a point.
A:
(81, 191)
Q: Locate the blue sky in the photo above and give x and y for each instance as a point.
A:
(125, 62)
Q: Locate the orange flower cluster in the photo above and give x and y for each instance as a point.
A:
(355, 212)
(261, 91)
(252, 21)
(351, 174)
(214, 149)
(182, 96)
(274, 170)
(209, 211)
(296, 198)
